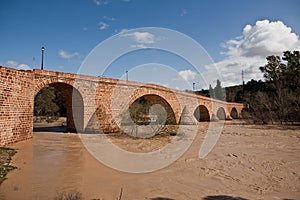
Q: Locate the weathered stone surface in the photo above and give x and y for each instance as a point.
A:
(93, 102)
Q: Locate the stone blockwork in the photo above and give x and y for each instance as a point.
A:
(95, 103)
(16, 105)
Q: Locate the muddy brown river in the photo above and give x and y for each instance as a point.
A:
(248, 162)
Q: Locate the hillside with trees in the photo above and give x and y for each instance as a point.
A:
(277, 99)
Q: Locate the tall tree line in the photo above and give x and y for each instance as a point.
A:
(278, 98)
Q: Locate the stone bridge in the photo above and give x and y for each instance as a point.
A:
(95, 101)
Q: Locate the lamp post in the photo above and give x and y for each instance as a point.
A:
(126, 75)
(43, 49)
(193, 86)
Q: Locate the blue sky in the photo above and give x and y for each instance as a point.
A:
(228, 30)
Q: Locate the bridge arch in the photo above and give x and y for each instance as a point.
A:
(160, 95)
(73, 100)
(234, 113)
(221, 114)
(153, 99)
(201, 113)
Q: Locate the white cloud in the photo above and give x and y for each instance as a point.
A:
(11, 63)
(229, 71)
(67, 55)
(187, 75)
(263, 39)
(249, 51)
(108, 18)
(100, 2)
(124, 30)
(23, 67)
(141, 46)
(103, 26)
(139, 37)
(14, 64)
(144, 37)
(183, 12)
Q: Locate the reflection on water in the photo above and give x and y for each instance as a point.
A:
(55, 165)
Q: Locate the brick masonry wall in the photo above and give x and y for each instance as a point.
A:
(92, 102)
(16, 105)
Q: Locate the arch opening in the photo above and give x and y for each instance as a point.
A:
(58, 107)
(148, 116)
(234, 113)
(151, 109)
(201, 113)
(221, 114)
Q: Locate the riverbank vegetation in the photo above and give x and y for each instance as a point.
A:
(5, 158)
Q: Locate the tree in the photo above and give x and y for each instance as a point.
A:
(280, 97)
(293, 65)
(219, 91)
(49, 102)
(274, 68)
(211, 91)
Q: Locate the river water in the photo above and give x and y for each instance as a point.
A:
(53, 162)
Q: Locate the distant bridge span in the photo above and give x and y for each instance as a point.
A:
(94, 101)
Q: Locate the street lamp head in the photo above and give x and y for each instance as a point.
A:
(43, 48)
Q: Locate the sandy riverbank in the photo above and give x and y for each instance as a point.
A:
(250, 162)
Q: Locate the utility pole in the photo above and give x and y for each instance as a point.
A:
(243, 84)
(126, 75)
(34, 62)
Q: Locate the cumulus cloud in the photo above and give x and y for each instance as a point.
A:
(123, 31)
(103, 25)
(14, 64)
(11, 63)
(249, 51)
(144, 37)
(23, 67)
(187, 75)
(263, 39)
(139, 37)
(67, 55)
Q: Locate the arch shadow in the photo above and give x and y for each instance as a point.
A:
(234, 113)
(140, 110)
(74, 106)
(201, 113)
